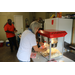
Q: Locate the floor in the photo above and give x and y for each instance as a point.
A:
(70, 55)
(7, 56)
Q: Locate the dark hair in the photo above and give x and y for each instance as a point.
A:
(8, 19)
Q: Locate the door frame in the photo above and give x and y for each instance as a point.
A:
(15, 25)
(14, 20)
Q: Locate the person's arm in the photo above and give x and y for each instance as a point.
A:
(39, 49)
(34, 44)
(15, 30)
(9, 31)
(41, 43)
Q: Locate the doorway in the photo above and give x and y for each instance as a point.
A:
(18, 22)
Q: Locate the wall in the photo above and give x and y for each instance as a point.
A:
(64, 13)
(3, 20)
(73, 33)
(31, 15)
(49, 14)
(40, 14)
(6, 15)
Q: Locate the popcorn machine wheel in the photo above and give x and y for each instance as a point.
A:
(56, 37)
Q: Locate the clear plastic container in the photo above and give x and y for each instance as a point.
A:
(46, 44)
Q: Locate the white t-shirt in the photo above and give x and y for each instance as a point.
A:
(28, 40)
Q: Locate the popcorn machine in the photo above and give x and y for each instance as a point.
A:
(54, 41)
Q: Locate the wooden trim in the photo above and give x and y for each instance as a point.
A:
(72, 34)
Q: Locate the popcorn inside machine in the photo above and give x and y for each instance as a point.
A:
(54, 41)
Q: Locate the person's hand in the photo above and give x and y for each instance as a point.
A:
(41, 43)
(15, 31)
(44, 49)
(19, 36)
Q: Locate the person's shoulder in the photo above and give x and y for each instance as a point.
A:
(6, 24)
(12, 24)
(29, 33)
(32, 34)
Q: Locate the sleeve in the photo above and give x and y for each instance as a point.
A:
(13, 26)
(33, 41)
(5, 28)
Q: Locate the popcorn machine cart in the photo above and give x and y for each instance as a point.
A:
(54, 41)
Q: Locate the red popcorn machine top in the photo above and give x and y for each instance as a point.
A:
(54, 41)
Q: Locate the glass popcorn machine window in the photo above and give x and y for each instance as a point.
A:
(54, 41)
(56, 48)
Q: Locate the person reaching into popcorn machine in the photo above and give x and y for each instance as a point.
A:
(28, 40)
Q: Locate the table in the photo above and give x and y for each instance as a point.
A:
(40, 58)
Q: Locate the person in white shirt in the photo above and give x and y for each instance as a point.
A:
(28, 40)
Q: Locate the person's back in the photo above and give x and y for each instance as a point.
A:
(27, 41)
